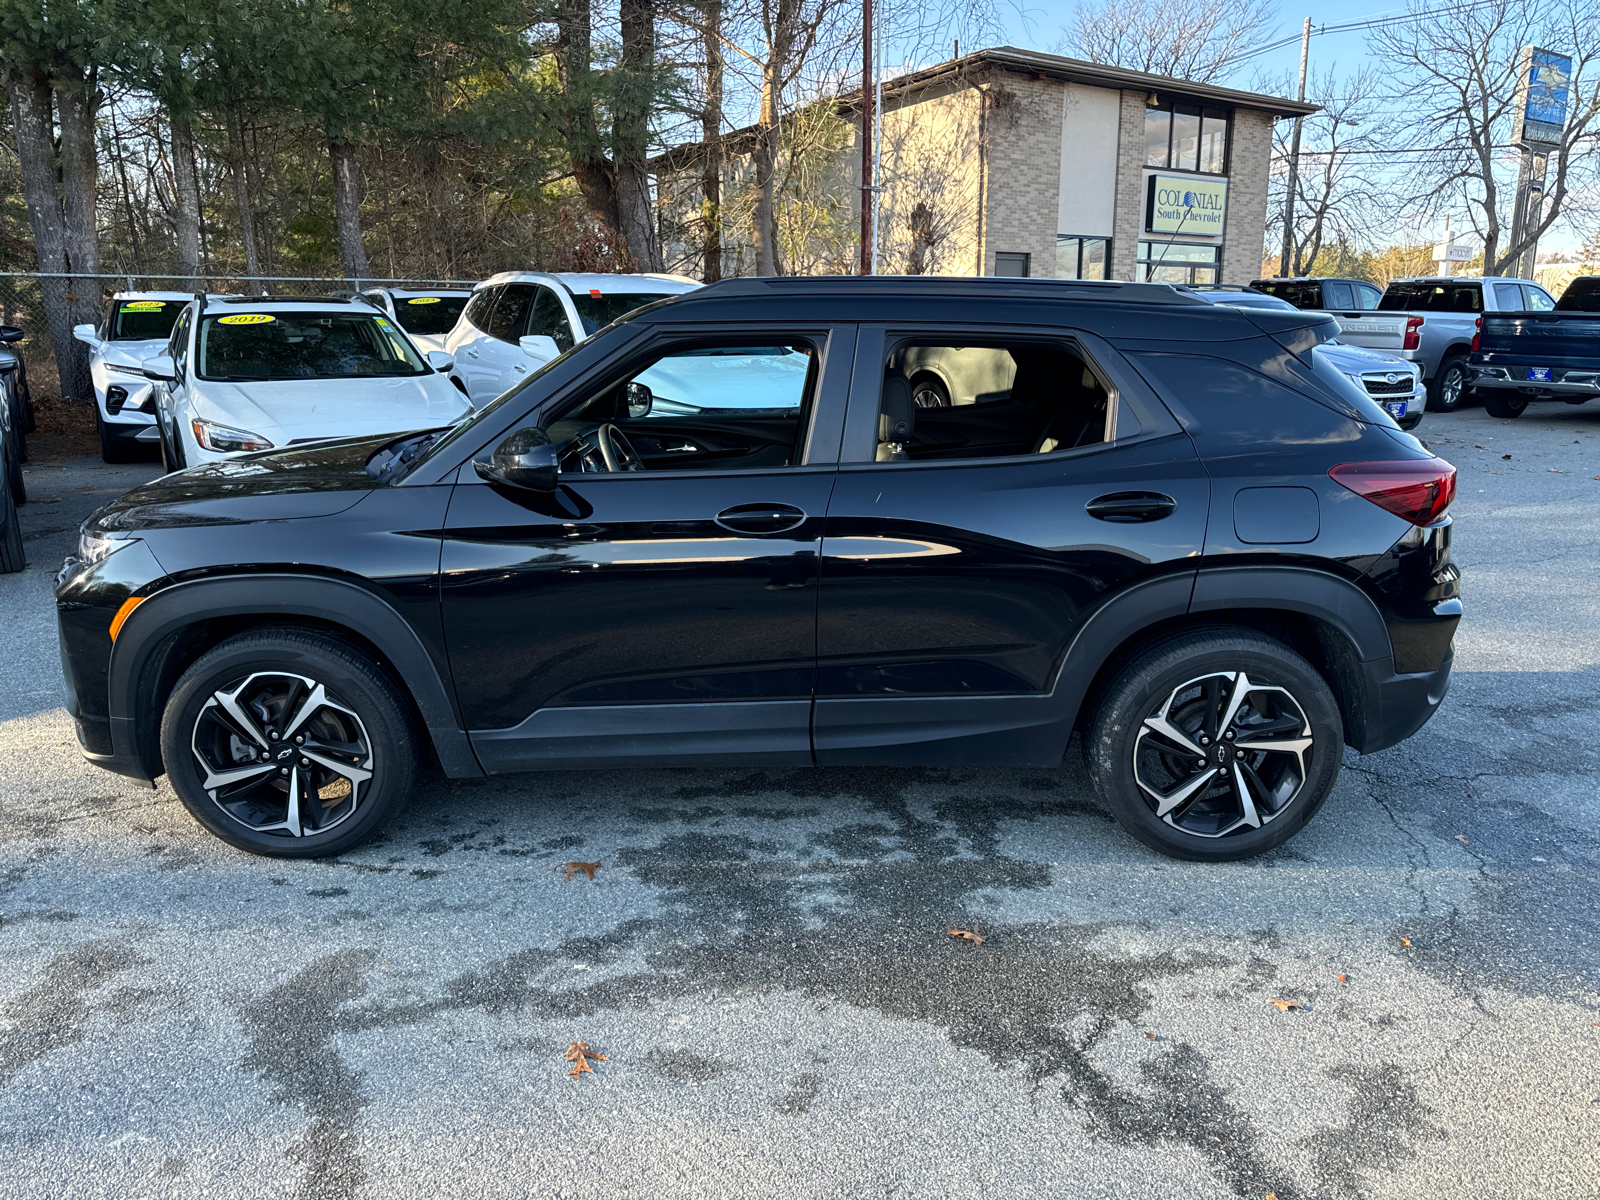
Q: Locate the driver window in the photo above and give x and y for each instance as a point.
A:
(943, 401)
(707, 405)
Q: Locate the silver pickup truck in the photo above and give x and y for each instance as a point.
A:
(1431, 322)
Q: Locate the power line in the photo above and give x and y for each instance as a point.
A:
(1369, 23)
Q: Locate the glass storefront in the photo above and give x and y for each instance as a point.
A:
(1082, 257)
(1177, 262)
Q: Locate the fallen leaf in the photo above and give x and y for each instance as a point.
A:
(1460, 838)
(1405, 941)
(1480, 447)
(1553, 470)
(1596, 1024)
(579, 1055)
(1506, 456)
(574, 867)
(1150, 1037)
(1270, 1196)
(1286, 1005)
(1343, 978)
(972, 935)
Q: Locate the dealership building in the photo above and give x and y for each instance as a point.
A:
(1011, 162)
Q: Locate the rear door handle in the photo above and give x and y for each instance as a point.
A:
(1129, 507)
(761, 518)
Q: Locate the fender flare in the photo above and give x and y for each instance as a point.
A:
(1313, 593)
(334, 601)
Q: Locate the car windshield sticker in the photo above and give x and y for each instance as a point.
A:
(382, 324)
(143, 305)
(424, 300)
(246, 319)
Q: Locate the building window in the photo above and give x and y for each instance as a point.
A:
(1176, 262)
(1183, 137)
(1082, 257)
(1010, 264)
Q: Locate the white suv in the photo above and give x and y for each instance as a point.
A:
(427, 314)
(248, 373)
(136, 326)
(519, 320)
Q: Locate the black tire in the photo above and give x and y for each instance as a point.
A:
(928, 391)
(21, 424)
(11, 556)
(1447, 390)
(1286, 788)
(113, 449)
(264, 675)
(15, 484)
(1498, 404)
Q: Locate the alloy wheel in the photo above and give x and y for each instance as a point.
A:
(1221, 754)
(280, 754)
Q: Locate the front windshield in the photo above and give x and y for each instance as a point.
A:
(145, 320)
(597, 310)
(291, 345)
(429, 316)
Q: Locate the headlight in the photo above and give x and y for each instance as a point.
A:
(222, 440)
(136, 372)
(97, 547)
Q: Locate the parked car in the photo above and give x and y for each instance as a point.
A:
(427, 314)
(1520, 357)
(1178, 533)
(518, 320)
(1440, 318)
(1323, 293)
(1394, 384)
(250, 373)
(136, 326)
(14, 385)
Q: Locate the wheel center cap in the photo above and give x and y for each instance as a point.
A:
(285, 754)
(1222, 754)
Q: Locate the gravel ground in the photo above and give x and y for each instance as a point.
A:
(763, 958)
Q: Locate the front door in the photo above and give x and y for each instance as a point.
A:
(1019, 480)
(660, 607)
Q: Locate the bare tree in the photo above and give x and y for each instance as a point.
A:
(1456, 72)
(1202, 41)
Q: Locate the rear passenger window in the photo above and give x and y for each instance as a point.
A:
(1367, 296)
(941, 401)
(1336, 294)
(1507, 297)
(478, 308)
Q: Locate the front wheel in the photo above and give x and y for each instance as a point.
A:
(112, 448)
(1448, 388)
(1498, 405)
(1215, 745)
(289, 744)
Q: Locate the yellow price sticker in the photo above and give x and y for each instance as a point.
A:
(382, 324)
(246, 319)
(142, 305)
(424, 300)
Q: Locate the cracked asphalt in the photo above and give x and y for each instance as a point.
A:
(763, 958)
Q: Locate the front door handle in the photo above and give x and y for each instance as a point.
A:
(1129, 507)
(761, 518)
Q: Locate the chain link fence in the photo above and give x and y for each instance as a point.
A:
(46, 306)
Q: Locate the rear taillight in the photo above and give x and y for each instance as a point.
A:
(1413, 333)
(1477, 334)
(1418, 489)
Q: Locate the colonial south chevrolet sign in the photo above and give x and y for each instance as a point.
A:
(1183, 204)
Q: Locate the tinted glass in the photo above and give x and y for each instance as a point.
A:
(1214, 142)
(1185, 139)
(1582, 295)
(428, 315)
(1507, 297)
(480, 306)
(1011, 264)
(596, 312)
(550, 319)
(1157, 129)
(510, 315)
(1432, 297)
(1298, 292)
(1367, 296)
(263, 346)
(140, 320)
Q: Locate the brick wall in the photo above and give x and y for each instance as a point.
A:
(1023, 140)
(1130, 186)
(1248, 165)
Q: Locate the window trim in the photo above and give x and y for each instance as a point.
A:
(873, 343)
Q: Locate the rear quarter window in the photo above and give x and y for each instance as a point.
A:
(1246, 407)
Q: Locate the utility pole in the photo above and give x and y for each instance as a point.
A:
(867, 193)
(877, 147)
(1286, 263)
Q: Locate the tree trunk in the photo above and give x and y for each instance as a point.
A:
(594, 174)
(186, 204)
(241, 197)
(36, 152)
(80, 166)
(765, 157)
(347, 209)
(630, 133)
(711, 137)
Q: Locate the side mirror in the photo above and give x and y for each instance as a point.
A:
(12, 333)
(525, 459)
(86, 335)
(640, 398)
(161, 368)
(539, 346)
(441, 360)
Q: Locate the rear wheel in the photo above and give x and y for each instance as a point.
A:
(928, 391)
(1448, 388)
(14, 481)
(289, 744)
(1215, 745)
(1499, 405)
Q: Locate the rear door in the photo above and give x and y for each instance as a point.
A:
(467, 339)
(959, 562)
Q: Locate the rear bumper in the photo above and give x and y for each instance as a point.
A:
(1399, 705)
(1499, 379)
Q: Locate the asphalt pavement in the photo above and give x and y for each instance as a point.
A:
(763, 959)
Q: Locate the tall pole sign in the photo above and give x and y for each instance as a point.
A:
(1539, 120)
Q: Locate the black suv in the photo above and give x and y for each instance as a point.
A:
(796, 521)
